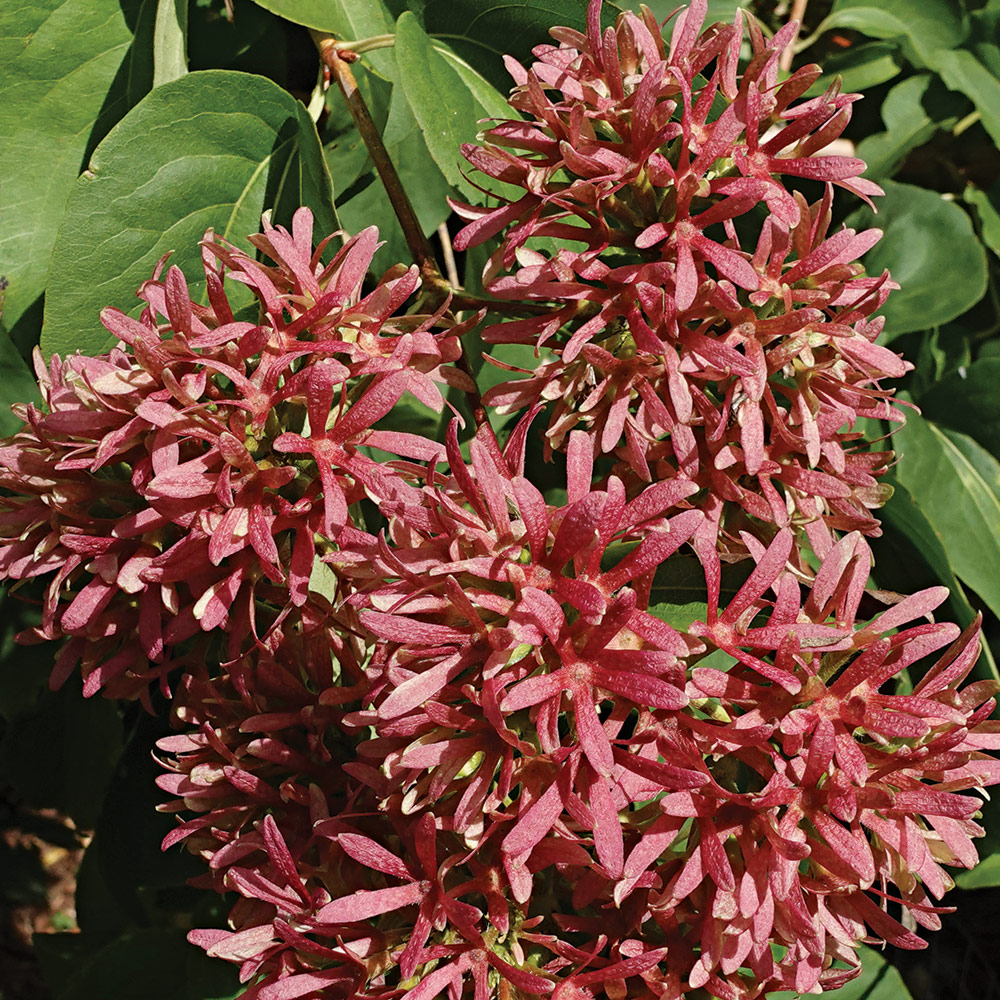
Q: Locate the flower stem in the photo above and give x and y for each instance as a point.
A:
(797, 14)
(336, 56)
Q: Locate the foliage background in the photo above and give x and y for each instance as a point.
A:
(130, 127)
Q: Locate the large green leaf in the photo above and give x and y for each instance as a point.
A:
(878, 981)
(902, 518)
(988, 209)
(16, 383)
(968, 401)
(956, 484)
(41, 758)
(350, 20)
(961, 70)
(59, 59)
(154, 963)
(860, 67)
(680, 581)
(212, 149)
(931, 250)
(482, 33)
(170, 41)
(927, 25)
(911, 112)
(421, 179)
(447, 111)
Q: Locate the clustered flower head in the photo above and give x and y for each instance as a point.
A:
(444, 734)
(681, 342)
(174, 487)
(547, 790)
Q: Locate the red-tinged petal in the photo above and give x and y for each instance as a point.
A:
(373, 855)
(578, 529)
(918, 605)
(652, 235)
(491, 222)
(650, 692)
(238, 947)
(884, 925)
(851, 846)
(685, 276)
(367, 903)
(252, 885)
(931, 802)
(655, 549)
(398, 628)
(822, 747)
(608, 839)
(376, 402)
(593, 739)
(633, 966)
(419, 688)
(277, 851)
(303, 984)
(532, 691)
(764, 575)
(536, 822)
(714, 857)
(685, 803)
(895, 725)
(954, 666)
(657, 498)
(543, 609)
(87, 605)
(534, 514)
(728, 262)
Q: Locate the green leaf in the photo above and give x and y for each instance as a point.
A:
(447, 111)
(859, 67)
(17, 384)
(680, 616)
(956, 484)
(421, 179)
(213, 149)
(987, 873)
(962, 71)
(41, 758)
(482, 33)
(155, 963)
(987, 205)
(349, 20)
(931, 250)
(927, 25)
(493, 103)
(170, 41)
(59, 60)
(878, 981)
(902, 517)
(912, 112)
(967, 401)
(680, 581)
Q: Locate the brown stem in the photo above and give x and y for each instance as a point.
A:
(476, 399)
(336, 59)
(462, 301)
(449, 256)
(797, 14)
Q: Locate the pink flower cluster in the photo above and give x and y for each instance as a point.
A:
(682, 344)
(175, 486)
(544, 792)
(444, 734)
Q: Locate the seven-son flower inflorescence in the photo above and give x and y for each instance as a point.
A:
(442, 733)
